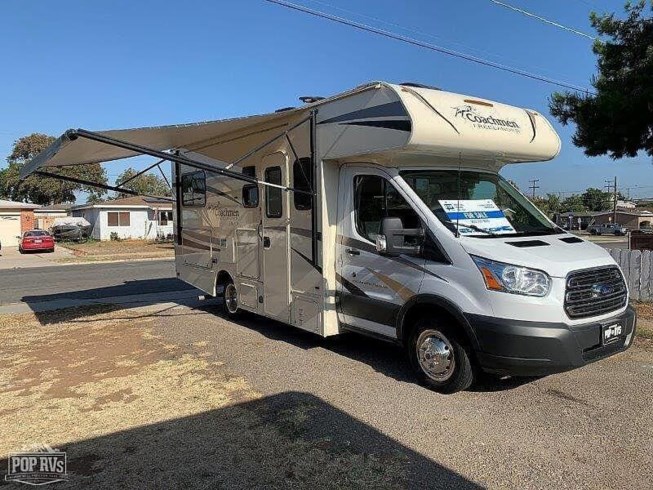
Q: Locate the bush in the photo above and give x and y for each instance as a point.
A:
(113, 236)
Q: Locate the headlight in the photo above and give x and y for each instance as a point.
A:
(513, 278)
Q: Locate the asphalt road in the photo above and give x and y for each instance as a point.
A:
(589, 428)
(88, 281)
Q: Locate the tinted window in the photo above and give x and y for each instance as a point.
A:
(36, 233)
(193, 189)
(302, 171)
(118, 218)
(250, 195)
(273, 195)
(375, 198)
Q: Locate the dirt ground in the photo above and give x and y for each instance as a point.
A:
(645, 323)
(133, 410)
(99, 251)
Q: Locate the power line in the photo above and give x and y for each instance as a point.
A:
(422, 44)
(534, 186)
(542, 19)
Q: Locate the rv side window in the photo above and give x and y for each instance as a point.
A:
(375, 198)
(273, 195)
(193, 189)
(302, 172)
(250, 196)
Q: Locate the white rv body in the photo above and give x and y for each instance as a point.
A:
(292, 245)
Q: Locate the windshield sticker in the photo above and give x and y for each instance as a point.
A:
(477, 216)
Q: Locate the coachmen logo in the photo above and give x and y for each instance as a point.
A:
(480, 121)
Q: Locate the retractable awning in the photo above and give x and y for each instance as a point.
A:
(78, 146)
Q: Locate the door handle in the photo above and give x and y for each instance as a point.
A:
(266, 242)
(353, 251)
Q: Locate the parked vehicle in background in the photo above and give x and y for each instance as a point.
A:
(36, 240)
(608, 229)
(71, 233)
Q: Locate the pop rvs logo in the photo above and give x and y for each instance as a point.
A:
(37, 466)
(480, 121)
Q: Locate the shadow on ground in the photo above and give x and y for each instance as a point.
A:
(385, 357)
(290, 440)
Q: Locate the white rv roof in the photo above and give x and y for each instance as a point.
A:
(442, 123)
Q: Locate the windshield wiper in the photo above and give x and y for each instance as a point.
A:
(471, 227)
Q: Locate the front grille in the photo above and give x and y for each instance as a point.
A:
(594, 292)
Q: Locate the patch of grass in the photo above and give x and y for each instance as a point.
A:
(94, 251)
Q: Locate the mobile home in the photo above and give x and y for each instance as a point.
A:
(381, 211)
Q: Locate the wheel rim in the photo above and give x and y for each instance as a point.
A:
(435, 355)
(231, 298)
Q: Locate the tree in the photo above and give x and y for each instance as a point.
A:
(45, 190)
(148, 184)
(549, 205)
(618, 119)
(573, 203)
(596, 200)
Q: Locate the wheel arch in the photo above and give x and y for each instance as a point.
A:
(422, 304)
(221, 280)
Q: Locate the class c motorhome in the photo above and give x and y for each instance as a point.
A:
(381, 211)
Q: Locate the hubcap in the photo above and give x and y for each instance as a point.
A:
(435, 355)
(231, 298)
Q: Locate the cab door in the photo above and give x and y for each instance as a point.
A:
(372, 287)
(275, 238)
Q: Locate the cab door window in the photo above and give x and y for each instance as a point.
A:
(374, 199)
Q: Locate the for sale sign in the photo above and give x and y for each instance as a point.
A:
(39, 467)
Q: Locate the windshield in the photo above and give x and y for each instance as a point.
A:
(36, 233)
(478, 204)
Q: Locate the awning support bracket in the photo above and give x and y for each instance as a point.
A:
(96, 184)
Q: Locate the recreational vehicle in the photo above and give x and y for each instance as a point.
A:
(381, 211)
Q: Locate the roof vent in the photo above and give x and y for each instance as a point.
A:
(284, 109)
(310, 99)
(419, 85)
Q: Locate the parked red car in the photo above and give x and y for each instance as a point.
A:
(36, 240)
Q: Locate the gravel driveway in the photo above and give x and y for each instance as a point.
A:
(589, 428)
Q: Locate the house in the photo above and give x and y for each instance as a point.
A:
(15, 219)
(575, 220)
(131, 218)
(46, 215)
(631, 219)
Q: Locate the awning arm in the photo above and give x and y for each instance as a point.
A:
(73, 134)
(96, 184)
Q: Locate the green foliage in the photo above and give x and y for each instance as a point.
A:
(573, 203)
(596, 200)
(618, 120)
(45, 190)
(113, 236)
(549, 205)
(146, 184)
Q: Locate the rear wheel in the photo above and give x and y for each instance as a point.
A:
(439, 357)
(230, 300)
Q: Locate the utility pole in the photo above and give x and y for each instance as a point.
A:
(534, 186)
(612, 187)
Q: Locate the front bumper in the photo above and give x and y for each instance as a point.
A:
(520, 348)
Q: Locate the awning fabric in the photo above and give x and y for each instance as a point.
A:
(79, 151)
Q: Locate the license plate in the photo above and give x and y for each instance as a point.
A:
(612, 332)
(38, 241)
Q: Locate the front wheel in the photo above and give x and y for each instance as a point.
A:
(440, 360)
(230, 300)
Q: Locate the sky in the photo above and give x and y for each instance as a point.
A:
(124, 63)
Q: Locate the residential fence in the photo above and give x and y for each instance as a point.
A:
(638, 271)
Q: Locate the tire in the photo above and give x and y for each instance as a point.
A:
(455, 371)
(230, 303)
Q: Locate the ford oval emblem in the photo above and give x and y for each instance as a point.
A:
(601, 290)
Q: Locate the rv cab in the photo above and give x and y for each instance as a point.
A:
(382, 211)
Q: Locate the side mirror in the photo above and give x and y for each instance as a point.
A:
(391, 240)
